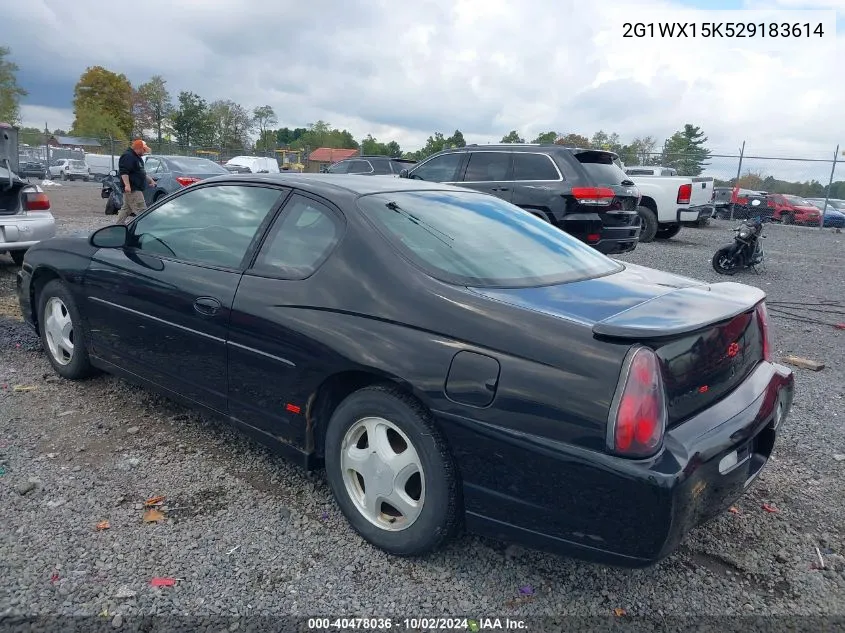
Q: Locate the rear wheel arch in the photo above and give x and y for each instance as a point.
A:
(334, 390)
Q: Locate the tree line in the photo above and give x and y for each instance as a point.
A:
(107, 105)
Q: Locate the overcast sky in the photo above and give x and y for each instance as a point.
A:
(403, 70)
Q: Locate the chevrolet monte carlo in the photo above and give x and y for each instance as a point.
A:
(452, 361)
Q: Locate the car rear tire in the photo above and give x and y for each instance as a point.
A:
(788, 218)
(648, 221)
(668, 233)
(62, 335)
(383, 441)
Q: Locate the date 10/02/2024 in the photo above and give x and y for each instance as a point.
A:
(722, 29)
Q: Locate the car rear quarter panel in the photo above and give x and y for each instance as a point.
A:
(378, 313)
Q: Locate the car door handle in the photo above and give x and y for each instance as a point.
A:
(500, 189)
(207, 306)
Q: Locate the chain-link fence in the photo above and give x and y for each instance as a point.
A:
(789, 183)
(54, 147)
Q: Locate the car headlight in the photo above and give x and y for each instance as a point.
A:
(744, 233)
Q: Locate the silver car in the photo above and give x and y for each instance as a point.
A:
(25, 217)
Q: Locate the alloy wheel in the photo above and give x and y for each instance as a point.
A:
(383, 473)
(58, 330)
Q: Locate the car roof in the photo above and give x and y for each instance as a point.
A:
(326, 184)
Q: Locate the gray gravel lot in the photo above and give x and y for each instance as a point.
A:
(247, 533)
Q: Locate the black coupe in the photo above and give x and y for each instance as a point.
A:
(450, 359)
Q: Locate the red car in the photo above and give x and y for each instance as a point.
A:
(793, 209)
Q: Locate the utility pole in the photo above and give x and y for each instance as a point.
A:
(738, 173)
(829, 186)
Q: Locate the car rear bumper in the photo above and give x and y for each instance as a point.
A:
(617, 511)
(694, 215)
(617, 233)
(19, 232)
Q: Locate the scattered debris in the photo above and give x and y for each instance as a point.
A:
(840, 326)
(103, 525)
(24, 388)
(125, 593)
(66, 413)
(618, 612)
(527, 590)
(804, 363)
(782, 556)
(840, 457)
(154, 501)
(54, 578)
(117, 621)
(821, 560)
(734, 510)
(163, 582)
(51, 456)
(132, 430)
(153, 516)
(2, 471)
(770, 508)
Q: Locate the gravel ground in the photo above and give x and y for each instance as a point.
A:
(247, 533)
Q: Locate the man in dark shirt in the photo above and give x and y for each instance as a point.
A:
(135, 179)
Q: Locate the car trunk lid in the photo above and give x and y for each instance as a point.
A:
(708, 337)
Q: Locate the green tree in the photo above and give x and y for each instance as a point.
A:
(191, 121)
(685, 151)
(372, 147)
(287, 136)
(102, 97)
(230, 125)
(456, 140)
(321, 134)
(546, 138)
(155, 107)
(573, 140)
(512, 137)
(264, 117)
(10, 92)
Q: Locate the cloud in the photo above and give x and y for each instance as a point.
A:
(405, 70)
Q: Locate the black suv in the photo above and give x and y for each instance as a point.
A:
(581, 191)
(371, 165)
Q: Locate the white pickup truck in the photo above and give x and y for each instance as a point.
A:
(670, 201)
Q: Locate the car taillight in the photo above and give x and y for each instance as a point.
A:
(763, 320)
(597, 196)
(36, 201)
(638, 418)
(684, 194)
(185, 180)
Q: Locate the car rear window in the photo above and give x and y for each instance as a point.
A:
(399, 165)
(78, 164)
(475, 239)
(198, 165)
(601, 168)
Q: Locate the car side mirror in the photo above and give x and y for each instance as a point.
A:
(112, 236)
(113, 173)
(403, 173)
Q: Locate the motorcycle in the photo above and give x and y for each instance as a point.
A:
(747, 249)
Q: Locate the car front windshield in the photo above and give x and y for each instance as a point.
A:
(474, 239)
(798, 202)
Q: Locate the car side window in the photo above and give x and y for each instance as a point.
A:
(300, 240)
(339, 168)
(439, 169)
(152, 165)
(533, 167)
(212, 225)
(488, 167)
(360, 167)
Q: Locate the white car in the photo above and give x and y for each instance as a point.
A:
(69, 169)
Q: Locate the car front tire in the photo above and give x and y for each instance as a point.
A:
(62, 335)
(391, 472)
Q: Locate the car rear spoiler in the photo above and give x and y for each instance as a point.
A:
(681, 311)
